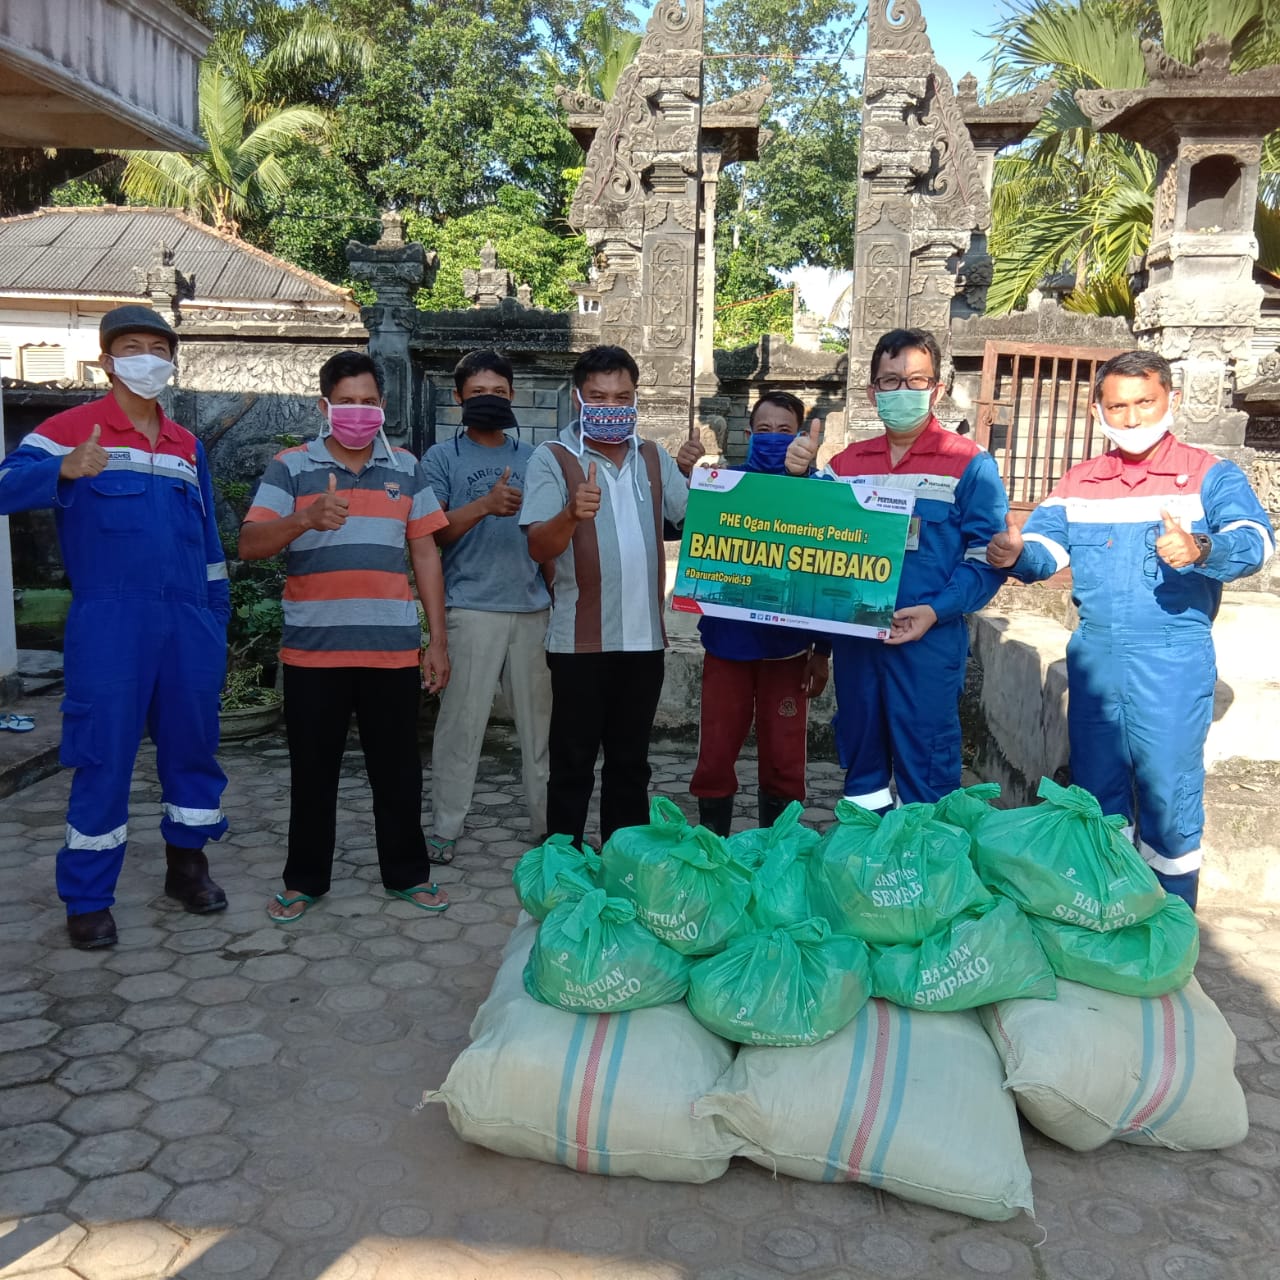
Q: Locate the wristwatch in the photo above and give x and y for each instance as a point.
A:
(1204, 544)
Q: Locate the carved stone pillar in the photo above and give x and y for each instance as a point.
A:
(394, 270)
(704, 364)
(164, 284)
(921, 197)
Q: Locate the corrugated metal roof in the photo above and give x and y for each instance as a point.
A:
(100, 251)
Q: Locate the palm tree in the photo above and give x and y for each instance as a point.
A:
(264, 90)
(240, 174)
(1073, 199)
(602, 51)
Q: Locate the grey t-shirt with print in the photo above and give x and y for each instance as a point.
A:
(489, 567)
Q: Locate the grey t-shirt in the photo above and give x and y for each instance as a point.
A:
(489, 567)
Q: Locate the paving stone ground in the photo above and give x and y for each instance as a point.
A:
(224, 1097)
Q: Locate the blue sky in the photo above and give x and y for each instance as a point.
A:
(952, 24)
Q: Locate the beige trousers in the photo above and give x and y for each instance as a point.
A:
(488, 653)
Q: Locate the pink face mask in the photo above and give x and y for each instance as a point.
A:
(354, 425)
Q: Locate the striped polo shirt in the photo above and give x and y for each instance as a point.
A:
(347, 601)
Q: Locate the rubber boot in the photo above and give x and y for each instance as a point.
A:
(716, 813)
(92, 929)
(770, 808)
(187, 880)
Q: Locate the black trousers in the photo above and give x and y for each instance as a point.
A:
(318, 702)
(601, 700)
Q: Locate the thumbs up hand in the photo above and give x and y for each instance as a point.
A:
(88, 458)
(690, 451)
(1004, 549)
(586, 500)
(504, 499)
(329, 510)
(1175, 546)
(802, 452)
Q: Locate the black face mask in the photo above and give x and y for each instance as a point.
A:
(488, 413)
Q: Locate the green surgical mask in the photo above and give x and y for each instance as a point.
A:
(902, 410)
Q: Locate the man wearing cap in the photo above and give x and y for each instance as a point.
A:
(145, 645)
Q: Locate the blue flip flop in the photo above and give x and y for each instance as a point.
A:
(407, 896)
(17, 723)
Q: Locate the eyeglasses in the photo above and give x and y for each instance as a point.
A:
(916, 382)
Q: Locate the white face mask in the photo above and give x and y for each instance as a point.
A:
(145, 376)
(1135, 441)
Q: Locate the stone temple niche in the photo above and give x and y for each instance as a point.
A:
(1201, 304)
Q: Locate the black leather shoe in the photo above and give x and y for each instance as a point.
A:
(92, 929)
(187, 880)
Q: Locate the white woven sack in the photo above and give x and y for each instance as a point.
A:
(907, 1101)
(1093, 1066)
(600, 1093)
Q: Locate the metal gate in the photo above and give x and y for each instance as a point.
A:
(1034, 414)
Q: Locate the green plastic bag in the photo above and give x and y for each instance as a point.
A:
(591, 956)
(791, 986)
(984, 955)
(686, 887)
(779, 860)
(538, 875)
(1065, 861)
(892, 879)
(1147, 959)
(965, 807)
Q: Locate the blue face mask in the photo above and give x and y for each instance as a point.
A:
(767, 451)
(902, 410)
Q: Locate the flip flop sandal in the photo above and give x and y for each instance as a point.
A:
(17, 723)
(407, 896)
(307, 903)
(442, 851)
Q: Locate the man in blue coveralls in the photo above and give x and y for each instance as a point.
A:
(897, 699)
(1151, 529)
(145, 643)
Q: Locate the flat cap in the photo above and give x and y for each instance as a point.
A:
(134, 318)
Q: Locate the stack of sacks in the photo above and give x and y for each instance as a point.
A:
(1096, 908)
(912, 1103)
(687, 888)
(599, 1093)
(1096, 1066)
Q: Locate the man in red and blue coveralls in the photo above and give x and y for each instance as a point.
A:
(145, 645)
(897, 699)
(1151, 529)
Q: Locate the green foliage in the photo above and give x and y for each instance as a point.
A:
(323, 207)
(452, 111)
(240, 176)
(78, 193)
(796, 204)
(598, 56)
(742, 324)
(1074, 200)
(547, 262)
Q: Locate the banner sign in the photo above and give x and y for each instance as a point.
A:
(821, 554)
